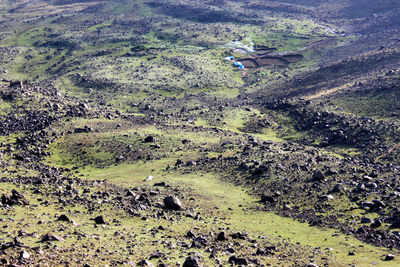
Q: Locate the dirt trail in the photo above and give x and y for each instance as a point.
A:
(329, 91)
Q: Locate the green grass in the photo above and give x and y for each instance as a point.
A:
(100, 25)
(269, 135)
(380, 104)
(210, 191)
(347, 151)
(135, 230)
(5, 107)
(30, 36)
(138, 7)
(277, 31)
(66, 85)
(103, 238)
(98, 146)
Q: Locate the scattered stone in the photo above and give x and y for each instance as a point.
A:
(150, 139)
(377, 223)
(192, 261)
(221, 236)
(237, 261)
(15, 198)
(185, 141)
(190, 234)
(145, 263)
(338, 188)
(149, 178)
(51, 237)
(267, 199)
(85, 129)
(64, 218)
(389, 257)
(99, 220)
(130, 193)
(239, 235)
(318, 176)
(260, 252)
(172, 203)
(24, 255)
(326, 197)
(366, 220)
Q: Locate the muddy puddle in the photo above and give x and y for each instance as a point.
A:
(266, 60)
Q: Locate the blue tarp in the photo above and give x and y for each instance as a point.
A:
(229, 58)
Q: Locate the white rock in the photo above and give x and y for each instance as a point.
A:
(149, 178)
(25, 255)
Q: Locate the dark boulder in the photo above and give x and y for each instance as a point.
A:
(337, 188)
(129, 193)
(99, 220)
(239, 235)
(192, 261)
(190, 234)
(172, 203)
(15, 198)
(63, 218)
(318, 176)
(237, 261)
(377, 223)
(267, 199)
(396, 223)
(51, 237)
(17, 84)
(163, 184)
(145, 263)
(150, 139)
(389, 257)
(366, 220)
(83, 130)
(221, 236)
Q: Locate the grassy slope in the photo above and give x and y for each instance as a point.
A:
(159, 74)
(211, 191)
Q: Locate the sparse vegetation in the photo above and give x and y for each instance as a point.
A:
(127, 137)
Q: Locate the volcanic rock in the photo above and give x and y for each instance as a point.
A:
(15, 198)
(366, 220)
(51, 237)
(377, 223)
(64, 218)
(237, 261)
(192, 261)
(221, 236)
(318, 176)
(24, 255)
(172, 203)
(145, 263)
(267, 198)
(99, 220)
(389, 257)
(150, 139)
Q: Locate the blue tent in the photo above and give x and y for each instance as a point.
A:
(239, 65)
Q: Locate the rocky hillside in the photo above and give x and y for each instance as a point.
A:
(129, 137)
